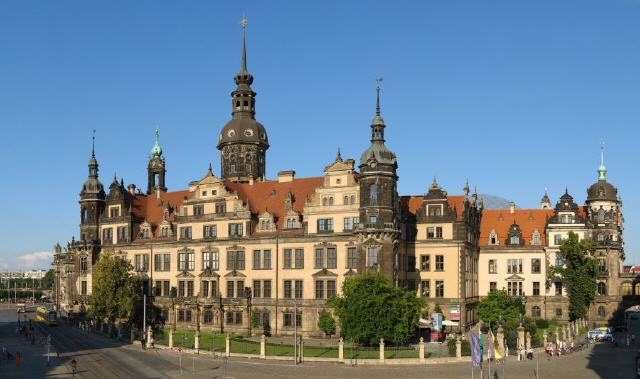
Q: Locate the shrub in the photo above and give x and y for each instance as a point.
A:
(542, 324)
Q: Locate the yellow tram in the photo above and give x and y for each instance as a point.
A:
(46, 315)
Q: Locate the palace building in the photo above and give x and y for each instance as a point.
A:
(232, 245)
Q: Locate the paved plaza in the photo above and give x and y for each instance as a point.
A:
(99, 357)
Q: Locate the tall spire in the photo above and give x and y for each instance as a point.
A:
(93, 162)
(377, 124)
(243, 22)
(93, 144)
(602, 170)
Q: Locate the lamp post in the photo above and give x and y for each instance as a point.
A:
(221, 314)
(247, 294)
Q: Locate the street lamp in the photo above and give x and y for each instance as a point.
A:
(247, 294)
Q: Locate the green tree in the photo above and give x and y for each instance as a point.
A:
(437, 309)
(370, 308)
(47, 281)
(326, 323)
(579, 273)
(255, 320)
(116, 291)
(499, 305)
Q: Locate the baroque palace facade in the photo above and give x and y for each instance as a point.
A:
(236, 244)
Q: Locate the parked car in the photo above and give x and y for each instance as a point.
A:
(604, 337)
(594, 333)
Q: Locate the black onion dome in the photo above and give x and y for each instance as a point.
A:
(603, 191)
(246, 130)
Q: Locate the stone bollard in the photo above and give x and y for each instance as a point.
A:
(458, 347)
(545, 336)
(149, 336)
(381, 349)
(196, 341)
(340, 350)
(301, 350)
(263, 347)
(500, 338)
(421, 349)
(228, 345)
(527, 341)
(170, 338)
(520, 337)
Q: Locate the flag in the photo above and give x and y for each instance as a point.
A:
(475, 350)
(491, 352)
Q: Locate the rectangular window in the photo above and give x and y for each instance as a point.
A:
(514, 266)
(299, 258)
(157, 289)
(558, 312)
(157, 262)
(220, 207)
(325, 225)
(256, 288)
(514, 288)
(431, 232)
(210, 260)
(266, 259)
(298, 293)
(240, 288)
(107, 237)
(493, 266)
(185, 232)
(123, 233)
(209, 231)
(319, 258)
(352, 257)
(198, 210)
(372, 257)
(190, 290)
(332, 257)
(347, 224)
(319, 289)
(141, 262)
(425, 288)
(256, 260)
(411, 263)
(114, 212)
(288, 319)
(493, 286)
(331, 288)
(425, 262)
(166, 288)
(230, 288)
(235, 230)
(266, 290)
(536, 288)
(535, 266)
(83, 264)
(83, 287)
(287, 289)
(214, 289)
(439, 262)
(181, 288)
(439, 288)
(235, 260)
(356, 221)
(557, 239)
(287, 258)
(558, 288)
(204, 288)
(438, 232)
(230, 317)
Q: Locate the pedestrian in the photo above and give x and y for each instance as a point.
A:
(633, 339)
(18, 359)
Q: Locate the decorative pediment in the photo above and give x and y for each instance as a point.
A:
(209, 273)
(350, 273)
(185, 274)
(371, 242)
(235, 247)
(324, 245)
(186, 250)
(515, 277)
(234, 274)
(324, 272)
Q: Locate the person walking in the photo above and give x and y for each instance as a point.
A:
(18, 359)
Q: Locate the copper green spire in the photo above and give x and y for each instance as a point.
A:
(602, 170)
(156, 150)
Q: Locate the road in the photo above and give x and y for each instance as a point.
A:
(98, 357)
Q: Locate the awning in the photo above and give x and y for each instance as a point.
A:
(449, 323)
(424, 323)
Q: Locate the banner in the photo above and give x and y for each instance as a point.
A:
(493, 352)
(475, 349)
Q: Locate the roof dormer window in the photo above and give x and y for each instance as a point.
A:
(493, 238)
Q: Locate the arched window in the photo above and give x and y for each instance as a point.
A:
(601, 214)
(325, 201)
(373, 194)
(353, 199)
(535, 311)
(331, 201)
(626, 289)
(602, 312)
(346, 200)
(237, 103)
(602, 289)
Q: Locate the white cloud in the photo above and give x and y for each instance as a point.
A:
(4, 266)
(37, 260)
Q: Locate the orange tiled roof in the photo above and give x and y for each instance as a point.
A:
(270, 195)
(151, 208)
(413, 203)
(500, 220)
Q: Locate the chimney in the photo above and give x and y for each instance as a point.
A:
(132, 189)
(286, 176)
(512, 207)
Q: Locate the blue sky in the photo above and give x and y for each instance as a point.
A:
(515, 96)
